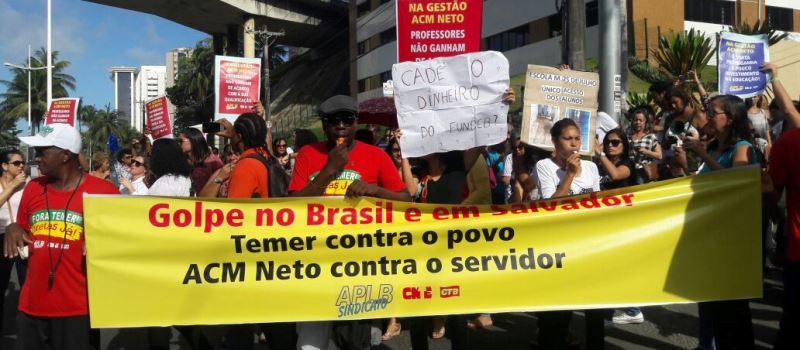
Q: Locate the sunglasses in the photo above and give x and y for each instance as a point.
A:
(281, 145)
(346, 119)
(614, 143)
(17, 163)
(136, 163)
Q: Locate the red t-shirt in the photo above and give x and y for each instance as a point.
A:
(784, 168)
(68, 296)
(367, 163)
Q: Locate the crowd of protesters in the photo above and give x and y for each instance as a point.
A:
(685, 134)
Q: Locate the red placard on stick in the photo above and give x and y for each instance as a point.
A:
(63, 111)
(236, 85)
(158, 120)
(437, 28)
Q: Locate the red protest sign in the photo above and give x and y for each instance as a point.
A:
(236, 85)
(437, 28)
(62, 111)
(158, 117)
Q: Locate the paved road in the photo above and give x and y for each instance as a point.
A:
(666, 327)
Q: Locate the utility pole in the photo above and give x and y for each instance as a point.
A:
(576, 34)
(268, 37)
(609, 99)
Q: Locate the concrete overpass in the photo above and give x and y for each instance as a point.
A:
(306, 23)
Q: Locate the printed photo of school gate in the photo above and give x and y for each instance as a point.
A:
(399, 174)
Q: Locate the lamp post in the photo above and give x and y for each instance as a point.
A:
(49, 56)
(28, 68)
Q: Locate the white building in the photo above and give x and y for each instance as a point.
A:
(150, 83)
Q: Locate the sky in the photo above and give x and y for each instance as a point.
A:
(92, 37)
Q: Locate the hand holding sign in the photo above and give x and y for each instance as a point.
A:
(453, 103)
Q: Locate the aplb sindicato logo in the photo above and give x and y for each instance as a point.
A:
(358, 299)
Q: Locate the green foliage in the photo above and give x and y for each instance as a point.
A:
(639, 100)
(642, 70)
(99, 123)
(14, 103)
(759, 28)
(193, 93)
(679, 53)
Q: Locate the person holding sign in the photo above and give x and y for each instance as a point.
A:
(341, 166)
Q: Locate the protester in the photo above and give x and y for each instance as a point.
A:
(53, 310)
(251, 178)
(100, 167)
(759, 119)
(204, 163)
(402, 164)
(645, 149)
(784, 171)
(565, 174)
(616, 168)
(229, 154)
(120, 170)
(732, 147)
(524, 172)
(357, 169)
(657, 93)
(171, 170)
(280, 152)
(139, 171)
(12, 181)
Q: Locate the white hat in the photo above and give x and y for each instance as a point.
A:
(63, 136)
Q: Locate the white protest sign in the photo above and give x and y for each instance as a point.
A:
(452, 103)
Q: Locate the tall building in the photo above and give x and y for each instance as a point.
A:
(123, 78)
(150, 83)
(529, 31)
(173, 59)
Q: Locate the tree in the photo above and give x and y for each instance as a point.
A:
(99, 124)
(193, 92)
(759, 28)
(15, 100)
(8, 132)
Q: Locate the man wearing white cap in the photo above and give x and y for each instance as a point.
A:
(49, 229)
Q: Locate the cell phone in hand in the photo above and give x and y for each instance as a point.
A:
(212, 127)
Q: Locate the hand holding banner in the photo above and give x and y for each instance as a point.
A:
(452, 103)
(551, 95)
(158, 119)
(740, 61)
(63, 111)
(236, 85)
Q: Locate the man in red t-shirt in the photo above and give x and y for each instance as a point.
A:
(341, 166)
(49, 230)
(784, 169)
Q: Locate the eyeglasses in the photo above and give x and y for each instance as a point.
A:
(281, 145)
(136, 163)
(336, 119)
(615, 142)
(17, 163)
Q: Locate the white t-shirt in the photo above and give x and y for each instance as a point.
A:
(508, 166)
(139, 188)
(5, 215)
(549, 176)
(172, 186)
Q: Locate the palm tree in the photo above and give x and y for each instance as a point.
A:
(98, 124)
(8, 132)
(15, 100)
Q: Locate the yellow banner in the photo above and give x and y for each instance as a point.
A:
(168, 261)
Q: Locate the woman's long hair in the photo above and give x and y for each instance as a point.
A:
(5, 156)
(626, 144)
(167, 158)
(200, 149)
